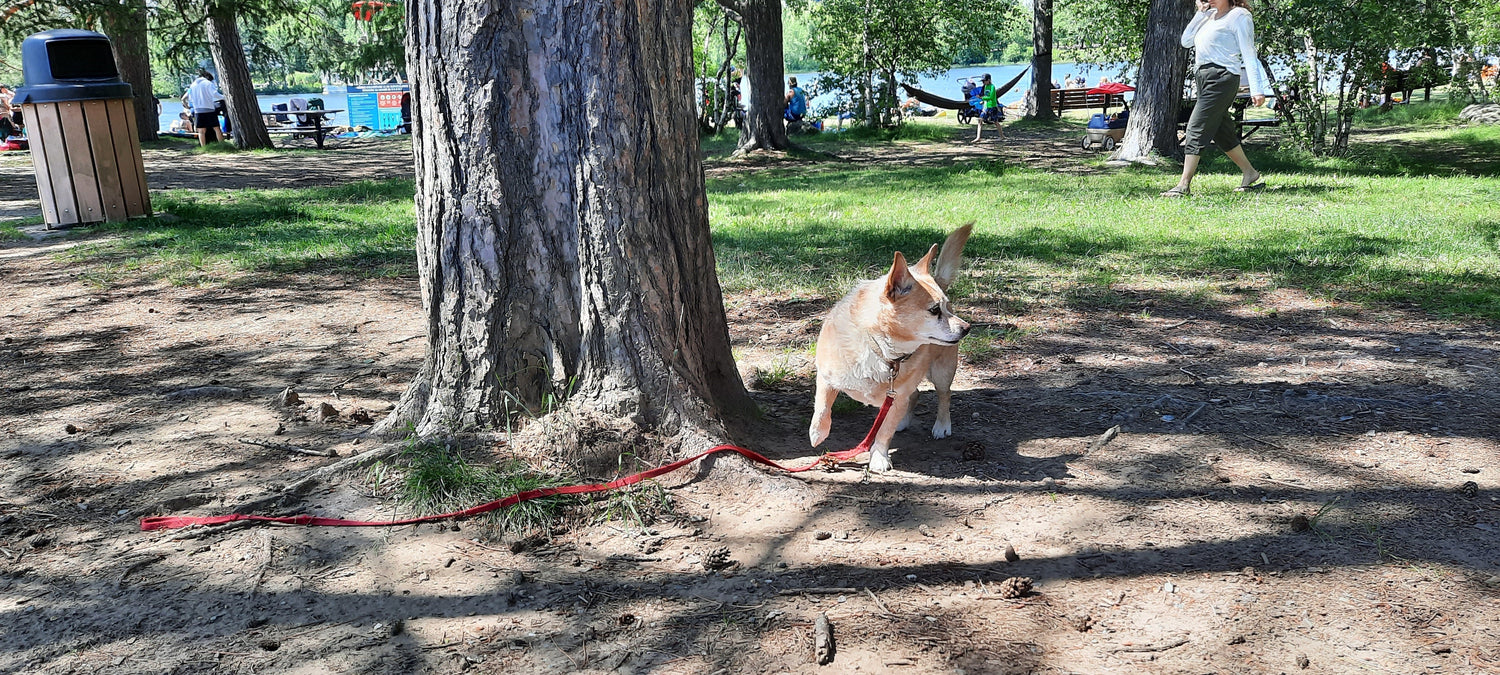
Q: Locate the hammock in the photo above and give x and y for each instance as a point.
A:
(950, 104)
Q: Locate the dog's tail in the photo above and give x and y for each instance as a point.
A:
(947, 261)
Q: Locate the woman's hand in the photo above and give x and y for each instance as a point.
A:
(1204, 5)
(1257, 100)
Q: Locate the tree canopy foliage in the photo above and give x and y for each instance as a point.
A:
(867, 46)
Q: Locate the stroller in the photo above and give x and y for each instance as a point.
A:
(1106, 131)
(973, 94)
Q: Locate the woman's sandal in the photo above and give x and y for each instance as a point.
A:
(1177, 192)
(1253, 186)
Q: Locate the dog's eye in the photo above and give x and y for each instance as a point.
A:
(935, 310)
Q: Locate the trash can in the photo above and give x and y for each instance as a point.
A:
(80, 120)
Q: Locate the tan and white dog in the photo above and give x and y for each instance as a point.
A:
(885, 337)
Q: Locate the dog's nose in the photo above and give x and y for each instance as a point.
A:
(963, 328)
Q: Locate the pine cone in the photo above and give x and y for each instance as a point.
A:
(1469, 489)
(717, 559)
(973, 451)
(1015, 587)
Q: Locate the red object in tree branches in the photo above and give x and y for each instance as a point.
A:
(365, 10)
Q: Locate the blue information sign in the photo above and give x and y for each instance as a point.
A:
(377, 106)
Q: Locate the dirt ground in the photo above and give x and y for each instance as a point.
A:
(1190, 489)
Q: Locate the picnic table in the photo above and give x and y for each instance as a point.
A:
(316, 128)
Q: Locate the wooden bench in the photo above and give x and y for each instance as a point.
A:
(1081, 99)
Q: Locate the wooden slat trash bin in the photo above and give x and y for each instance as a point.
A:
(81, 124)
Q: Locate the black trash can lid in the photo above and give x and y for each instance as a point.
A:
(69, 65)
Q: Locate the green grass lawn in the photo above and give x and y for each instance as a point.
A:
(242, 236)
(1346, 231)
(1412, 217)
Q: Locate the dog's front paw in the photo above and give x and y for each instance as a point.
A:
(880, 461)
(942, 429)
(818, 432)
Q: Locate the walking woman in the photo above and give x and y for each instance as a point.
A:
(1223, 36)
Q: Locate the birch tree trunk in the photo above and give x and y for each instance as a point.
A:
(1152, 129)
(764, 128)
(234, 78)
(125, 24)
(562, 227)
(1041, 60)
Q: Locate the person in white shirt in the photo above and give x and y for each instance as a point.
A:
(1223, 37)
(203, 97)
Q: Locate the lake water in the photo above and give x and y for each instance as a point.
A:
(945, 85)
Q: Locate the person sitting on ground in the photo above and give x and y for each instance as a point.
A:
(203, 96)
(796, 102)
(182, 125)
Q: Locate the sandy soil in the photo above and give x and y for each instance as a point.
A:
(1174, 547)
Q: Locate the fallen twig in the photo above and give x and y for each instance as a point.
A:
(1169, 644)
(823, 640)
(287, 447)
(137, 565)
(1193, 414)
(265, 562)
(818, 590)
(1104, 438)
(320, 474)
(407, 339)
(1265, 442)
(196, 533)
(878, 603)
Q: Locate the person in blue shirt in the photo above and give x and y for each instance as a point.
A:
(796, 102)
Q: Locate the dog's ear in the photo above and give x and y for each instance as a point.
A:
(899, 282)
(925, 263)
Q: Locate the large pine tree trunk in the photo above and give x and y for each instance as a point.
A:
(1152, 130)
(764, 128)
(563, 243)
(1041, 60)
(234, 78)
(125, 25)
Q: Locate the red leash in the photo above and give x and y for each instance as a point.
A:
(171, 522)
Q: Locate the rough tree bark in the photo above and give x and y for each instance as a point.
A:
(1152, 130)
(764, 128)
(562, 242)
(234, 78)
(125, 24)
(1041, 61)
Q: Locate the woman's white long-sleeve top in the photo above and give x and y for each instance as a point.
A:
(1229, 42)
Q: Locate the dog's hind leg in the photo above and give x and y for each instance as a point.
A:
(941, 372)
(822, 419)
